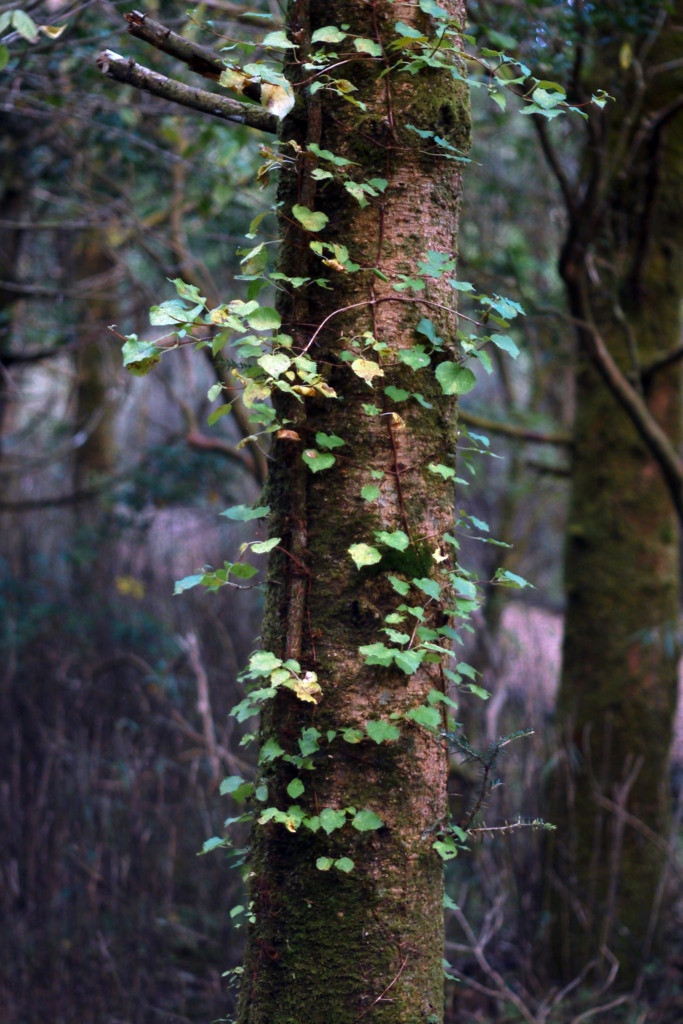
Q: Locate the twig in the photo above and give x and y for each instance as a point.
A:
(382, 994)
(137, 75)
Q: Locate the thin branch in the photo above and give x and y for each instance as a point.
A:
(514, 430)
(130, 73)
(553, 161)
(198, 58)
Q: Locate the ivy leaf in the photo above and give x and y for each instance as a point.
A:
(396, 394)
(262, 547)
(262, 663)
(409, 661)
(270, 750)
(364, 554)
(416, 357)
(275, 364)
(344, 864)
(408, 33)
(364, 45)
(310, 220)
(447, 850)
(139, 357)
(367, 370)
(397, 539)
(400, 586)
(295, 788)
(447, 472)
(430, 718)
(243, 513)
(328, 440)
(381, 731)
(377, 654)
(505, 342)
(455, 379)
(328, 34)
(429, 7)
(331, 819)
(278, 40)
(317, 461)
(307, 688)
(187, 583)
(352, 735)
(367, 821)
(324, 863)
(435, 264)
(370, 492)
(505, 578)
(429, 587)
(264, 319)
(212, 844)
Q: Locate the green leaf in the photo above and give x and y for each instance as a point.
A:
(370, 492)
(408, 661)
(139, 357)
(429, 7)
(429, 587)
(270, 750)
(397, 539)
(505, 342)
(4, 55)
(454, 378)
(275, 364)
(324, 863)
(187, 583)
(265, 319)
(448, 904)
(243, 513)
(416, 357)
(408, 32)
(262, 547)
(310, 220)
(344, 864)
(436, 263)
(328, 34)
(295, 788)
(382, 732)
(377, 654)
(25, 26)
(364, 554)
(364, 45)
(447, 850)
(430, 718)
(396, 394)
(212, 844)
(278, 40)
(352, 735)
(262, 663)
(331, 819)
(447, 472)
(505, 578)
(317, 461)
(328, 440)
(367, 821)
(400, 586)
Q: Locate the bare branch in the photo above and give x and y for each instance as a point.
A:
(130, 73)
(514, 430)
(200, 59)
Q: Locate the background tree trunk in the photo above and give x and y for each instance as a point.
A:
(623, 267)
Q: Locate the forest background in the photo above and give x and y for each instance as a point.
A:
(114, 728)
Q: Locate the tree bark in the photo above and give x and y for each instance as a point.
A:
(326, 946)
(623, 267)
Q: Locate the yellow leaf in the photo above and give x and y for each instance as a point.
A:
(52, 31)
(366, 369)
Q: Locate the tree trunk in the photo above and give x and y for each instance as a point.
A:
(330, 945)
(624, 275)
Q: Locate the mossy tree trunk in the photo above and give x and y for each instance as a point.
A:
(329, 946)
(623, 267)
